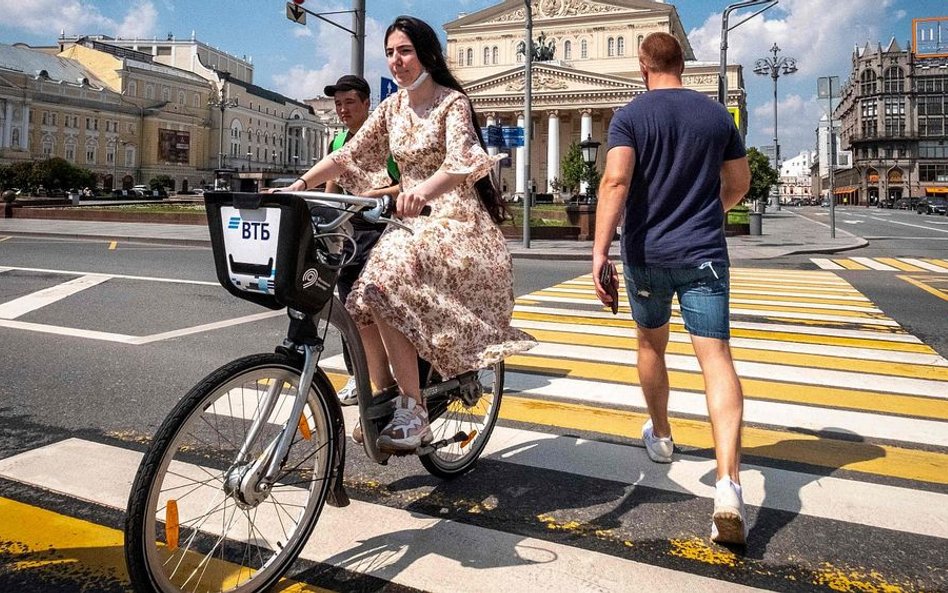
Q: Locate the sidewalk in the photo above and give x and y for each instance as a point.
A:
(784, 233)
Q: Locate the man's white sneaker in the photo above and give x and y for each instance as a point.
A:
(659, 449)
(728, 525)
(348, 396)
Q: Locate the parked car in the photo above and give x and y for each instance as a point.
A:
(932, 206)
(906, 203)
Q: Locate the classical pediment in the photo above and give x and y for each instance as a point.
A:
(551, 78)
(513, 11)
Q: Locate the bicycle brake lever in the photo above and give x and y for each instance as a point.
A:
(396, 223)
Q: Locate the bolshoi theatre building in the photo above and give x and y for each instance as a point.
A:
(593, 71)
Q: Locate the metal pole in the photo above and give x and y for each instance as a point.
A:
(358, 38)
(220, 155)
(832, 161)
(775, 76)
(722, 71)
(527, 123)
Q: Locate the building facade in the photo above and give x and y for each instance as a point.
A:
(592, 72)
(795, 181)
(133, 110)
(892, 112)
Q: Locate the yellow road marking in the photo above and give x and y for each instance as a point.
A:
(113, 245)
(83, 552)
(899, 264)
(735, 295)
(850, 264)
(882, 460)
(2, 239)
(929, 289)
(822, 361)
(836, 397)
(678, 327)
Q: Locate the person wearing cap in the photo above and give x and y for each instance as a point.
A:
(351, 97)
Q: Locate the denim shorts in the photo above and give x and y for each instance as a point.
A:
(703, 294)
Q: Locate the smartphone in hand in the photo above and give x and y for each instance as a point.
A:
(606, 275)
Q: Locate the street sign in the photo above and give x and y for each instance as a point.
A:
(295, 13)
(493, 136)
(387, 88)
(513, 136)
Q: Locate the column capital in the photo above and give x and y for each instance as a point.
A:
(553, 113)
(586, 111)
(490, 114)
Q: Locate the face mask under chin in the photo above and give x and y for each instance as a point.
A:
(421, 78)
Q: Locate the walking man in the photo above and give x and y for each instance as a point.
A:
(675, 165)
(351, 97)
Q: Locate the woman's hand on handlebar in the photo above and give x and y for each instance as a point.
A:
(409, 204)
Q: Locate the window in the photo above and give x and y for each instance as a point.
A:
(470, 57)
(620, 46)
(867, 83)
(894, 106)
(181, 98)
(110, 155)
(90, 155)
(486, 56)
(892, 80)
(129, 156)
(47, 148)
(149, 91)
(639, 42)
(567, 50)
(931, 126)
(132, 89)
(165, 94)
(583, 50)
(934, 171)
(870, 128)
(196, 100)
(460, 60)
(495, 55)
(611, 47)
(69, 153)
(92, 123)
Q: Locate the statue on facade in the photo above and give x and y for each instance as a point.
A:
(543, 51)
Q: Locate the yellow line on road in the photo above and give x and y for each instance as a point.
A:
(113, 245)
(882, 460)
(625, 322)
(89, 555)
(822, 361)
(800, 393)
(735, 295)
(929, 289)
(2, 239)
(850, 264)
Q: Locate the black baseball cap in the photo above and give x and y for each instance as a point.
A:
(349, 82)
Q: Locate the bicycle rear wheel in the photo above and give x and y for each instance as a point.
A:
(474, 413)
(186, 531)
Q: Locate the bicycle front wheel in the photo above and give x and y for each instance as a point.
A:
(186, 528)
(473, 412)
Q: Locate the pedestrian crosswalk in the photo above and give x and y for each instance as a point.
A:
(845, 443)
(885, 264)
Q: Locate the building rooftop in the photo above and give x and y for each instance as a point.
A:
(36, 63)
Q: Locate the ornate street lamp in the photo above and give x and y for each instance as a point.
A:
(774, 67)
(590, 150)
(222, 102)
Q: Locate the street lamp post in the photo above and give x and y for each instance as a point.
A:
(222, 102)
(527, 117)
(827, 87)
(774, 67)
(722, 73)
(590, 150)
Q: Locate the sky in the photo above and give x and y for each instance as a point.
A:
(299, 61)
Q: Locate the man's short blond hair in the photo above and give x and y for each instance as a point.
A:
(662, 53)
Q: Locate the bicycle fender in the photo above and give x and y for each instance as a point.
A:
(337, 491)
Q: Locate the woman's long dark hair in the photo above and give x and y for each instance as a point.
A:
(428, 50)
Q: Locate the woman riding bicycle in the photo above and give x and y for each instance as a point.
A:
(445, 290)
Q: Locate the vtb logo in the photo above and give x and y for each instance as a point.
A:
(257, 231)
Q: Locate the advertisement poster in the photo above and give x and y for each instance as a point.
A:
(174, 146)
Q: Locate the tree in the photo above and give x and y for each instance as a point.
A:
(763, 176)
(161, 182)
(572, 168)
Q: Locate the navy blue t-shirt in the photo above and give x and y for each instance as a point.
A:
(673, 214)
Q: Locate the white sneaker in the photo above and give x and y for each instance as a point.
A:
(659, 449)
(727, 523)
(409, 428)
(348, 395)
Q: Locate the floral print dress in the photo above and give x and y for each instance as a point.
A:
(448, 285)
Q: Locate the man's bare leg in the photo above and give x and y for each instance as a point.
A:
(653, 376)
(725, 403)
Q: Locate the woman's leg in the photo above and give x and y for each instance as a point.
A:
(379, 372)
(403, 358)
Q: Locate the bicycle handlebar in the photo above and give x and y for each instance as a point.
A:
(373, 210)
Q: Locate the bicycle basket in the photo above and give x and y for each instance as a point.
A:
(265, 252)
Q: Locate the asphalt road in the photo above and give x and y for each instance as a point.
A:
(579, 487)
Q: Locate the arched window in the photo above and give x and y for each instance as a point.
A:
(611, 47)
(460, 57)
(892, 80)
(583, 49)
(470, 57)
(165, 94)
(495, 55)
(149, 91)
(486, 56)
(867, 83)
(132, 89)
(639, 41)
(196, 100)
(182, 99)
(620, 46)
(567, 50)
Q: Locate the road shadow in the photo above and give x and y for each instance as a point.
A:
(782, 502)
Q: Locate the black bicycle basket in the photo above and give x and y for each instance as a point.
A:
(265, 251)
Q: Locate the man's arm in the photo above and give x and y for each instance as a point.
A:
(613, 191)
(735, 182)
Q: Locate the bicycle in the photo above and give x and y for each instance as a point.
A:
(235, 479)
